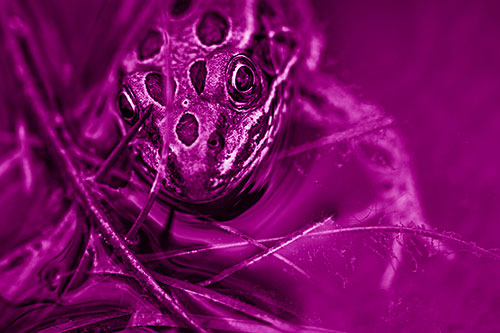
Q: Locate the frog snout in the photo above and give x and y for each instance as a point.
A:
(187, 129)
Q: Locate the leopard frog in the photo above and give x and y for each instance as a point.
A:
(228, 65)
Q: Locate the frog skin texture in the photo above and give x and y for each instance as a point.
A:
(228, 64)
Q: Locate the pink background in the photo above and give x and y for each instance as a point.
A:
(435, 66)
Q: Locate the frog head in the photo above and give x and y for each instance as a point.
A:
(227, 64)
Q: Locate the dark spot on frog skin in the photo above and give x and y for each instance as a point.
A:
(150, 45)
(198, 74)
(212, 28)
(180, 7)
(187, 129)
(154, 86)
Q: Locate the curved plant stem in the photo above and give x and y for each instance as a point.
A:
(261, 246)
(335, 138)
(82, 188)
(288, 240)
(9, 162)
(153, 193)
(391, 229)
(224, 324)
(25, 155)
(120, 147)
(417, 232)
(228, 301)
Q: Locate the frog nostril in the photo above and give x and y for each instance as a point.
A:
(187, 129)
(215, 141)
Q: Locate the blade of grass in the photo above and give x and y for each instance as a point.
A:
(8, 162)
(121, 146)
(25, 156)
(246, 263)
(83, 187)
(153, 193)
(391, 229)
(332, 139)
(261, 246)
(215, 297)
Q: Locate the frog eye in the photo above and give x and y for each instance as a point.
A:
(243, 81)
(126, 107)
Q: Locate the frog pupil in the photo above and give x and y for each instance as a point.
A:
(244, 79)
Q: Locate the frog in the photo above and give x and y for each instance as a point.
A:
(237, 71)
(228, 65)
